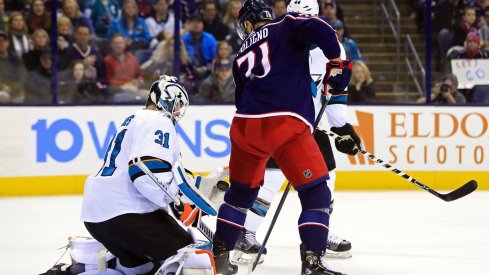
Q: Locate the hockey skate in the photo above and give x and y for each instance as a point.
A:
(221, 258)
(247, 248)
(337, 247)
(313, 264)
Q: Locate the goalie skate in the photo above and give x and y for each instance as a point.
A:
(247, 248)
(337, 247)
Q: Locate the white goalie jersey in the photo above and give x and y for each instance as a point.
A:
(120, 187)
(337, 113)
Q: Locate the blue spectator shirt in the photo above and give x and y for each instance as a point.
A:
(208, 46)
(351, 49)
(102, 15)
(139, 33)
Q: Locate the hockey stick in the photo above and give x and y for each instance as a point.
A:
(284, 196)
(462, 191)
(201, 226)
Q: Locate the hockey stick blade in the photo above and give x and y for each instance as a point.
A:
(463, 191)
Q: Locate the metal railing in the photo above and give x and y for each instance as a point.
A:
(413, 67)
(393, 18)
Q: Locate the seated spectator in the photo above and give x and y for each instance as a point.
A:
(362, 87)
(201, 46)
(122, 68)
(131, 27)
(19, 42)
(38, 17)
(279, 8)
(12, 71)
(212, 22)
(219, 86)
(162, 63)
(101, 13)
(71, 9)
(38, 86)
(91, 57)
(231, 15)
(472, 48)
(445, 92)
(4, 18)
(468, 23)
(329, 10)
(162, 21)
(40, 42)
(223, 52)
(76, 87)
(65, 33)
(351, 49)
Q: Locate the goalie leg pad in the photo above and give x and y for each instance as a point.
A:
(190, 261)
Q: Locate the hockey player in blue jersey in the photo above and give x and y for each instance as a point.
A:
(336, 114)
(274, 118)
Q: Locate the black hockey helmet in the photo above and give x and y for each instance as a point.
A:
(253, 11)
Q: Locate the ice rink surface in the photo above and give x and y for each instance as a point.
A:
(392, 233)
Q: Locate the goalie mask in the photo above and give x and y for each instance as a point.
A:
(169, 97)
(309, 7)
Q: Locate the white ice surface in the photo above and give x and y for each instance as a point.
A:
(392, 233)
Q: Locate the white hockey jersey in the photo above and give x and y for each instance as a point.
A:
(120, 187)
(337, 113)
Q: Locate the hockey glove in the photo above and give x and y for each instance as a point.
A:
(337, 77)
(350, 142)
(186, 213)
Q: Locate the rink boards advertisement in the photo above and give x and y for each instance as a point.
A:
(46, 150)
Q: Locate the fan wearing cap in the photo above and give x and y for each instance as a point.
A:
(472, 48)
(351, 48)
(219, 86)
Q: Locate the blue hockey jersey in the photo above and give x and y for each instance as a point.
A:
(271, 70)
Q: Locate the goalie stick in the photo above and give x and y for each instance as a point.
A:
(462, 191)
(201, 226)
(182, 181)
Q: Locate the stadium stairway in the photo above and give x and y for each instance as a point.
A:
(365, 28)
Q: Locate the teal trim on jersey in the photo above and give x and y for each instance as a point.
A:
(313, 46)
(135, 172)
(157, 165)
(314, 88)
(154, 165)
(338, 99)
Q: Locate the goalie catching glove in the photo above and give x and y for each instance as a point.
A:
(350, 142)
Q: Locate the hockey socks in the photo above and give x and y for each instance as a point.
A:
(313, 229)
(314, 219)
(230, 221)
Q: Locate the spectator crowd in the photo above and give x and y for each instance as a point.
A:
(111, 50)
(461, 31)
